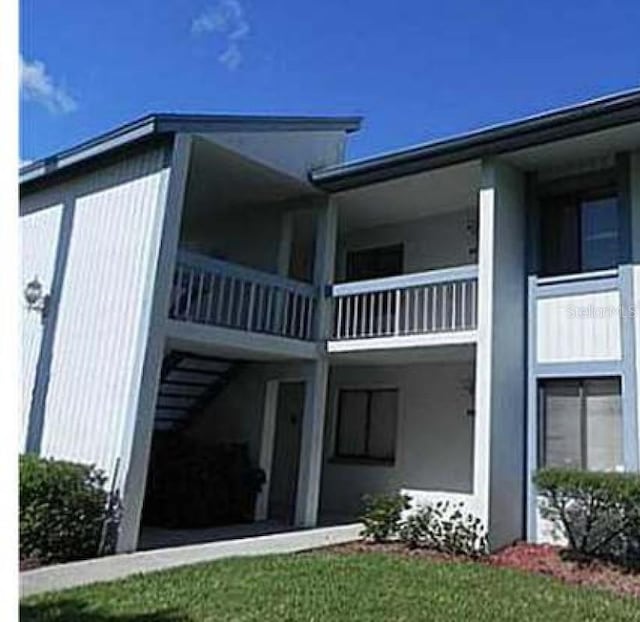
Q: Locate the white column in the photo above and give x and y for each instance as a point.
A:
(313, 421)
(311, 445)
(499, 449)
(269, 417)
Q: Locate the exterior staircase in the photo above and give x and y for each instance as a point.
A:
(188, 384)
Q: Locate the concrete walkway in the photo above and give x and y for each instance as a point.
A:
(74, 574)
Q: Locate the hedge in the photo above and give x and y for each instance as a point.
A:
(599, 513)
(64, 510)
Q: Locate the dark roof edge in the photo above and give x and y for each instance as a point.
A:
(151, 124)
(566, 122)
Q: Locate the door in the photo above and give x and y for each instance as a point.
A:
(286, 453)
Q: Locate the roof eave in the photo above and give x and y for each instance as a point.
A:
(548, 127)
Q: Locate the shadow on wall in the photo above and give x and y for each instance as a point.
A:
(77, 610)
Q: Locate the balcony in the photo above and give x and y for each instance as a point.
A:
(229, 305)
(414, 309)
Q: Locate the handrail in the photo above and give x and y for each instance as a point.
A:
(215, 292)
(410, 304)
(405, 281)
(203, 262)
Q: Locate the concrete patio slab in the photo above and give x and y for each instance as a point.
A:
(63, 576)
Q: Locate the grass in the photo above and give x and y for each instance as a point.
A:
(331, 586)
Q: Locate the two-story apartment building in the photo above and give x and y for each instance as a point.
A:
(440, 320)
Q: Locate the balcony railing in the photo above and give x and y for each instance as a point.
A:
(218, 293)
(426, 302)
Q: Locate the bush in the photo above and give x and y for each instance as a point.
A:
(599, 513)
(64, 510)
(382, 516)
(445, 527)
(191, 485)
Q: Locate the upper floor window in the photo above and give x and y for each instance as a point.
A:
(579, 233)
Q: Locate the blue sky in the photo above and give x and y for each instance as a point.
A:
(416, 70)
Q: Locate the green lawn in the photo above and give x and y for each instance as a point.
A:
(331, 586)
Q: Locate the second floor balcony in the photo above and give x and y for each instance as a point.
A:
(210, 293)
(412, 309)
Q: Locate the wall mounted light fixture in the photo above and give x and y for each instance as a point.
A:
(35, 297)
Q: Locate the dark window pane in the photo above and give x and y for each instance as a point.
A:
(600, 240)
(352, 423)
(382, 427)
(604, 425)
(560, 248)
(366, 427)
(374, 263)
(562, 434)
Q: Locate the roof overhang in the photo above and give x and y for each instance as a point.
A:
(591, 116)
(165, 125)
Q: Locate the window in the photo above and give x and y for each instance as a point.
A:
(374, 263)
(581, 424)
(366, 427)
(579, 233)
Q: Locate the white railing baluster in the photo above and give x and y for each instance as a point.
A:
(252, 302)
(189, 293)
(337, 331)
(212, 282)
(199, 296)
(454, 287)
(463, 305)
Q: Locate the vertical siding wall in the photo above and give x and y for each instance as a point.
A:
(104, 311)
(39, 241)
(582, 327)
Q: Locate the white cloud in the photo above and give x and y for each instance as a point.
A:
(38, 86)
(226, 19)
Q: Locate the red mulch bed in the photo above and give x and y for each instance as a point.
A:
(540, 559)
(546, 559)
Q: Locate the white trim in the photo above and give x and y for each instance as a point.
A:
(404, 341)
(404, 281)
(267, 444)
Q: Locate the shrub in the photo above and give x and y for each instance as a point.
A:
(191, 485)
(445, 527)
(599, 513)
(382, 516)
(64, 510)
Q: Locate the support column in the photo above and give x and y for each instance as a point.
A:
(499, 445)
(311, 444)
(313, 421)
(633, 280)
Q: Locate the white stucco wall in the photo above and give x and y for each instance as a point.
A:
(104, 310)
(291, 152)
(439, 241)
(434, 438)
(250, 238)
(39, 232)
